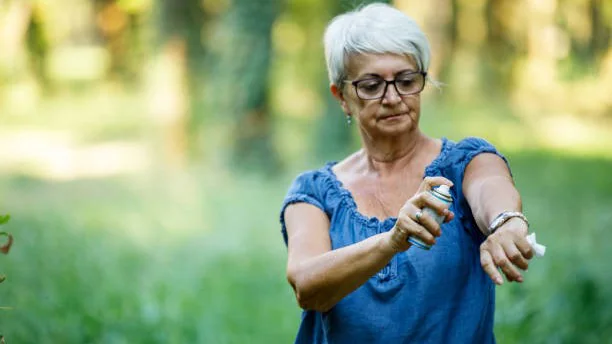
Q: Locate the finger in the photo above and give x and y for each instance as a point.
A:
(409, 226)
(427, 200)
(515, 255)
(501, 260)
(429, 183)
(523, 246)
(424, 219)
(449, 216)
(489, 267)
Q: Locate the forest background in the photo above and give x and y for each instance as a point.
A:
(146, 147)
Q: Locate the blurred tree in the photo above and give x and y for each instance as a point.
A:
(38, 45)
(589, 26)
(601, 26)
(177, 76)
(502, 46)
(450, 38)
(15, 17)
(121, 25)
(243, 59)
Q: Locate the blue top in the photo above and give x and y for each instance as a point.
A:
(436, 296)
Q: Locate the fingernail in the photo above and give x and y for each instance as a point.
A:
(499, 281)
(520, 279)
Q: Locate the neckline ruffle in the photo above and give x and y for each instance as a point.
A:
(430, 170)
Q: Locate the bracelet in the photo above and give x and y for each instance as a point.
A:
(502, 218)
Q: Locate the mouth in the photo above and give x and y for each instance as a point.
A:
(392, 117)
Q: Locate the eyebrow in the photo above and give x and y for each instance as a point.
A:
(374, 75)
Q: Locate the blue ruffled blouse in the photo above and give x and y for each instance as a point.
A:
(436, 296)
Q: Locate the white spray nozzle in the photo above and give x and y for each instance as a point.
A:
(443, 189)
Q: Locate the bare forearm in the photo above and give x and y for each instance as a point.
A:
(491, 196)
(320, 282)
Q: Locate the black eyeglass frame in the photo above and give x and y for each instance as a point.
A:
(387, 83)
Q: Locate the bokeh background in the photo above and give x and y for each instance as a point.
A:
(146, 146)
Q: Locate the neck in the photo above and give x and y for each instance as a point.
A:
(388, 156)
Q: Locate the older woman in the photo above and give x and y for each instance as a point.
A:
(347, 224)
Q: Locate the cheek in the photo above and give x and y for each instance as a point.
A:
(367, 110)
(356, 107)
(413, 103)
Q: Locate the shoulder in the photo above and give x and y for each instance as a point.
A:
(459, 154)
(348, 164)
(474, 144)
(311, 187)
(466, 149)
(311, 180)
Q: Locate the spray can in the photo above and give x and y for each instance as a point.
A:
(442, 193)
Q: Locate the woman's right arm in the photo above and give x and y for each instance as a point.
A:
(321, 277)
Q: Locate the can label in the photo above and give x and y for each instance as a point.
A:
(444, 197)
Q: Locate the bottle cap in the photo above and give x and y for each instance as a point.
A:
(444, 190)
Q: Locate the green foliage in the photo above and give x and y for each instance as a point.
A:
(200, 259)
(5, 247)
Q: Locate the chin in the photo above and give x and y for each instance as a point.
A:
(398, 124)
(398, 129)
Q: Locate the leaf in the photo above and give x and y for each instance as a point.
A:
(4, 219)
(9, 242)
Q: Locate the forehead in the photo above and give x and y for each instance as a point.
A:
(385, 65)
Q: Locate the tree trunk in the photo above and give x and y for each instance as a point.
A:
(245, 68)
(173, 89)
(14, 22)
(501, 48)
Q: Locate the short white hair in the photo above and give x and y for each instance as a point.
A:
(374, 29)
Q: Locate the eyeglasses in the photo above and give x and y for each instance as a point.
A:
(375, 88)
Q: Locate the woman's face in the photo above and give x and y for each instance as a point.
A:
(391, 115)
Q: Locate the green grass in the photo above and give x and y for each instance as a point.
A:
(129, 261)
(198, 258)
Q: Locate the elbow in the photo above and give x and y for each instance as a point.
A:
(310, 303)
(307, 295)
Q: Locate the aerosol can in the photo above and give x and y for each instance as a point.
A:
(442, 193)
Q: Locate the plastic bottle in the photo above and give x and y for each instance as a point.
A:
(442, 193)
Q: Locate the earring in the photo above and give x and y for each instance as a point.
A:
(349, 120)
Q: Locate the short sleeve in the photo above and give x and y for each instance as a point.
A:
(469, 148)
(304, 189)
(454, 167)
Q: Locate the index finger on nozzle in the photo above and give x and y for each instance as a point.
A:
(432, 182)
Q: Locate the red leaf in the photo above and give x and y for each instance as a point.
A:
(7, 246)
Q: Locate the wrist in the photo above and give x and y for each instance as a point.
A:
(387, 245)
(504, 218)
(515, 224)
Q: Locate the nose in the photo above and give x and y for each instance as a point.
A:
(391, 96)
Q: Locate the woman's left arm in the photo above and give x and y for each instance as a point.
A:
(489, 190)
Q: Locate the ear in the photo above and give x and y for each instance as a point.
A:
(337, 93)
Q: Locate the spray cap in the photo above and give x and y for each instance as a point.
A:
(444, 190)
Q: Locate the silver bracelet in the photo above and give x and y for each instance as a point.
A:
(502, 218)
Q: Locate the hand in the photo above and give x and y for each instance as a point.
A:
(425, 227)
(508, 250)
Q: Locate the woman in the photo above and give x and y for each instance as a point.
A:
(346, 225)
